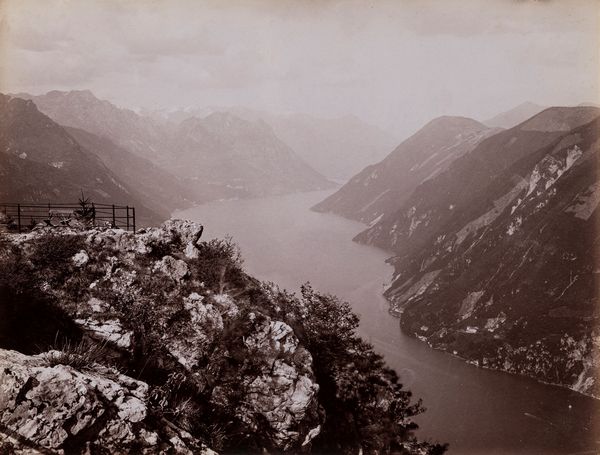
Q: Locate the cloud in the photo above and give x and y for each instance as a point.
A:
(396, 62)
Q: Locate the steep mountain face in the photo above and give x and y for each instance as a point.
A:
(495, 256)
(463, 192)
(382, 188)
(210, 153)
(160, 189)
(338, 148)
(514, 116)
(254, 159)
(81, 109)
(41, 162)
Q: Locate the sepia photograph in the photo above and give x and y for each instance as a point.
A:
(354, 227)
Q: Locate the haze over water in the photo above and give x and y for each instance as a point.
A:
(477, 411)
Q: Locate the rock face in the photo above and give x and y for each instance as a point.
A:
(494, 257)
(380, 189)
(282, 393)
(147, 299)
(60, 408)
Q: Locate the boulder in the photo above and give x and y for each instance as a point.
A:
(175, 269)
(189, 343)
(187, 232)
(81, 258)
(286, 391)
(110, 330)
(60, 409)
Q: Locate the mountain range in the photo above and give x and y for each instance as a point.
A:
(514, 116)
(41, 162)
(335, 147)
(383, 187)
(202, 153)
(493, 255)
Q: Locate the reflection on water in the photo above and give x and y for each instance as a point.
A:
(477, 411)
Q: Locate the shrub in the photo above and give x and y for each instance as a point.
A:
(366, 407)
(52, 254)
(79, 355)
(219, 263)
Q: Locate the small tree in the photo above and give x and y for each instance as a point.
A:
(86, 212)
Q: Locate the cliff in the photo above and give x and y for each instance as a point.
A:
(495, 258)
(158, 342)
(380, 190)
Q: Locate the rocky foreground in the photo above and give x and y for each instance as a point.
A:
(157, 342)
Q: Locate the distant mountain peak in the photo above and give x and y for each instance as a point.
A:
(453, 121)
(83, 94)
(514, 116)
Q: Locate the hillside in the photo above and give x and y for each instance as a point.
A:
(217, 158)
(41, 162)
(158, 342)
(254, 159)
(81, 109)
(514, 116)
(486, 263)
(335, 147)
(381, 189)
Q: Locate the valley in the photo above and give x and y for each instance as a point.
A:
(284, 242)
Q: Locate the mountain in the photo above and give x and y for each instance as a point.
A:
(253, 159)
(382, 188)
(494, 257)
(160, 190)
(41, 162)
(335, 147)
(81, 109)
(209, 153)
(514, 116)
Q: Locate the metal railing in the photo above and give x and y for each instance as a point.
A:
(26, 216)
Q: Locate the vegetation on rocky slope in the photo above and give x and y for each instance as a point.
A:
(495, 257)
(169, 334)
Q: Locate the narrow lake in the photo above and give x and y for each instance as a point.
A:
(477, 411)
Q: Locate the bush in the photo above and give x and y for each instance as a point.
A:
(52, 255)
(219, 263)
(79, 355)
(366, 407)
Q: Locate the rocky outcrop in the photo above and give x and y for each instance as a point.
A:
(282, 393)
(48, 405)
(220, 360)
(148, 298)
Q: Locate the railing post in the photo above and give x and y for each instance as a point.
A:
(19, 217)
(114, 224)
(133, 213)
(93, 215)
(127, 216)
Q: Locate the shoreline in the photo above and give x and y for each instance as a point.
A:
(398, 315)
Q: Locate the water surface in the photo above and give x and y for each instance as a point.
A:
(477, 411)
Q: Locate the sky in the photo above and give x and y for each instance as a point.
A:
(396, 64)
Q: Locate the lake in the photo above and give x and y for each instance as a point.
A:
(477, 411)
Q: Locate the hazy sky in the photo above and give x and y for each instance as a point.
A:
(396, 64)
